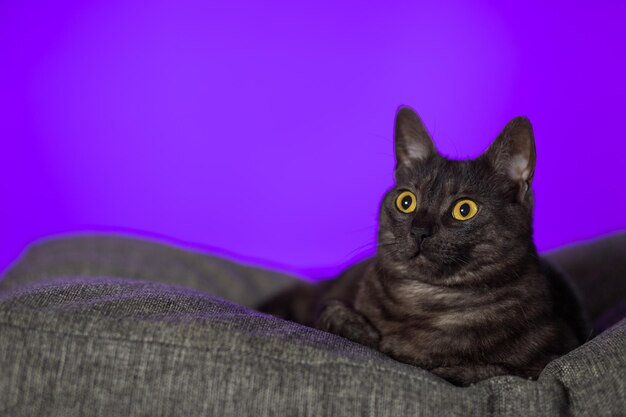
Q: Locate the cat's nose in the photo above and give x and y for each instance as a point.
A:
(420, 233)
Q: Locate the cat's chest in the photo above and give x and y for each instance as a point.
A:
(425, 325)
(414, 301)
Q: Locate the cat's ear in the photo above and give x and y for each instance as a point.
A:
(412, 142)
(513, 153)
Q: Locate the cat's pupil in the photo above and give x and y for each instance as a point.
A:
(406, 202)
(464, 209)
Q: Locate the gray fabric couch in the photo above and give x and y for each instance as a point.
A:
(116, 326)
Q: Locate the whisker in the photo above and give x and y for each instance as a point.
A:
(365, 228)
(369, 245)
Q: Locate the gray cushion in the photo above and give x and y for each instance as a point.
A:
(126, 257)
(598, 269)
(83, 333)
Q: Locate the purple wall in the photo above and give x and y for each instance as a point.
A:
(266, 131)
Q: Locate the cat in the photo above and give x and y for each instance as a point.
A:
(456, 286)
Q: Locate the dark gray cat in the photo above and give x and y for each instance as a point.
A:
(456, 286)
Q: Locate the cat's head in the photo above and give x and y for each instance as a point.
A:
(451, 222)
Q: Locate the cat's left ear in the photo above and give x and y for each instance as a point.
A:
(513, 153)
(412, 142)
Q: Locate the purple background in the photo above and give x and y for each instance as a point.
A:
(264, 131)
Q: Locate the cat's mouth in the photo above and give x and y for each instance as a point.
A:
(431, 253)
(415, 253)
(417, 250)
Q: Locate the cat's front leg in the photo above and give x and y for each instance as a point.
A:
(337, 317)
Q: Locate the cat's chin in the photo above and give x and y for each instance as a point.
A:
(420, 265)
(409, 266)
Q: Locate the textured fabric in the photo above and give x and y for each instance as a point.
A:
(125, 257)
(599, 270)
(93, 341)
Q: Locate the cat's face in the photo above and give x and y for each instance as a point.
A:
(450, 222)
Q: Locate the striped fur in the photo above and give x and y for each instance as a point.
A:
(471, 300)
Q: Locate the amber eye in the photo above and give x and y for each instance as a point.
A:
(464, 209)
(406, 202)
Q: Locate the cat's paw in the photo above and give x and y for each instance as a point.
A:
(336, 317)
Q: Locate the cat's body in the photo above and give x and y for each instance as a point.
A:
(456, 286)
(463, 334)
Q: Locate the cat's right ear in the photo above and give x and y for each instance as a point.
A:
(513, 153)
(412, 142)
